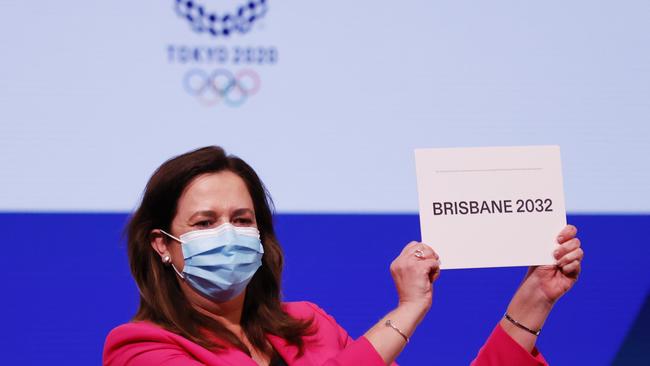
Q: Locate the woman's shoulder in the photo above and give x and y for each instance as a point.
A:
(138, 333)
(138, 330)
(142, 342)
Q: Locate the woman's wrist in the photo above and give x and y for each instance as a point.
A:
(408, 315)
(391, 333)
(530, 298)
(529, 310)
(418, 309)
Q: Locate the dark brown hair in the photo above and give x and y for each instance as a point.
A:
(161, 299)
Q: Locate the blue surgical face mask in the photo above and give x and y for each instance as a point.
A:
(220, 262)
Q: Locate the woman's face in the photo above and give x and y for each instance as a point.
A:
(208, 201)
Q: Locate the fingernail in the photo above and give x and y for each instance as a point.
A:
(556, 253)
(560, 239)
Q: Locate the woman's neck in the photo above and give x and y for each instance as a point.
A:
(228, 313)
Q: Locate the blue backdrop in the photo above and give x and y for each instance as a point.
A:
(66, 284)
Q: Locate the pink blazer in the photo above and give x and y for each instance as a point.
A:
(144, 343)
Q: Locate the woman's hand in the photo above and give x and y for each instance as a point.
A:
(543, 286)
(551, 282)
(414, 271)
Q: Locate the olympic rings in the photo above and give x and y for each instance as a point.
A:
(223, 24)
(210, 88)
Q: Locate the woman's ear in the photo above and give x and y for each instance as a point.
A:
(158, 242)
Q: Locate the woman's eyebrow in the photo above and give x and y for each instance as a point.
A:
(204, 213)
(242, 211)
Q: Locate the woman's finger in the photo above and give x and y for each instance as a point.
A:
(423, 265)
(412, 253)
(435, 255)
(574, 255)
(429, 252)
(566, 247)
(431, 267)
(409, 247)
(571, 269)
(424, 251)
(569, 232)
(433, 276)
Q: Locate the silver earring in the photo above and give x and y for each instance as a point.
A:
(166, 259)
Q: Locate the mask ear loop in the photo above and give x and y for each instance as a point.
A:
(172, 264)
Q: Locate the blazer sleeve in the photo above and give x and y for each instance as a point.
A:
(353, 352)
(501, 350)
(136, 345)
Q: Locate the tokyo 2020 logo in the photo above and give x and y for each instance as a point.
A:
(222, 23)
(219, 72)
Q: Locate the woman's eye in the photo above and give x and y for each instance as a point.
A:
(204, 223)
(243, 221)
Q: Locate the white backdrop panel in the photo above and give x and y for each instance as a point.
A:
(92, 97)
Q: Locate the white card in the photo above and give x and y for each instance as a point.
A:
(491, 206)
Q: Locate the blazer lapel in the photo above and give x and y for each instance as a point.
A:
(288, 352)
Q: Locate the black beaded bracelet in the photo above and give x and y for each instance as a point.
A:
(521, 326)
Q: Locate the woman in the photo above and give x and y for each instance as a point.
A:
(204, 255)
